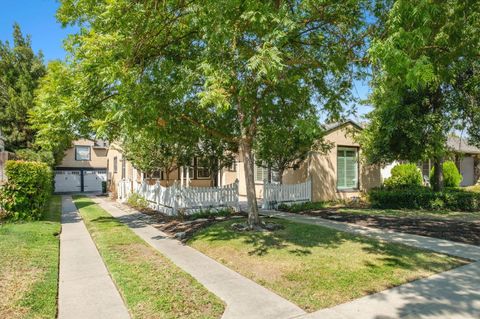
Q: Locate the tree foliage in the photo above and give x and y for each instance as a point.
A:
(57, 116)
(425, 69)
(283, 143)
(20, 73)
(222, 67)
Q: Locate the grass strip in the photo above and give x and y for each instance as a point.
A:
(151, 285)
(29, 254)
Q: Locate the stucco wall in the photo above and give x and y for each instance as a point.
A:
(323, 169)
(98, 156)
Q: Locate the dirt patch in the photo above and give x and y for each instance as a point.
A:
(15, 282)
(181, 228)
(467, 232)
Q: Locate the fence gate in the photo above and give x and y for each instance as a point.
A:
(274, 194)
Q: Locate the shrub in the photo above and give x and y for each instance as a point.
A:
(302, 207)
(451, 175)
(210, 214)
(424, 198)
(137, 201)
(404, 175)
(27, 192)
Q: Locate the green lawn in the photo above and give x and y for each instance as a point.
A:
(29, 266)
(151, 285)
(315, 267)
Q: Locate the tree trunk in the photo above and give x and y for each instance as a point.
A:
(277, 176)
(438, 174)
(248, 162)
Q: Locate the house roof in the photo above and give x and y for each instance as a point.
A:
(336, 125)
(460, 145)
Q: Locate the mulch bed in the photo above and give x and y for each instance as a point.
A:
(455, 230)
(183, 229)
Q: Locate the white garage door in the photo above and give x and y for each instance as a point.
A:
(67, 181)
(92, 180)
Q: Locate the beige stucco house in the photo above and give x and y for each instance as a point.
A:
(118, 168)
(336, 174)
(83, 168)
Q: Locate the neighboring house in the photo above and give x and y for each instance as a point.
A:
(83, 167)
(465, 156)
(337, 174)
(4, 156)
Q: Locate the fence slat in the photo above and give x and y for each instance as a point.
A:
(274, 194)
(170, 199)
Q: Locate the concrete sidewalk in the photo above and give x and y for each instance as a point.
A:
(85, 287)
(454, 294)
(244, 298)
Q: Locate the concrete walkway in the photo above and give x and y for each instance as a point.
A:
(453, 294)
(244, 298)
(85, 287)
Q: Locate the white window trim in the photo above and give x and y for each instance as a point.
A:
(357, 186)
(89, 152)
(255, 169)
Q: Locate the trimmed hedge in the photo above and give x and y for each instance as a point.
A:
(404, 175)
(27, 192)
(424, 198)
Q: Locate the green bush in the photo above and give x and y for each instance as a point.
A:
(210, 214)
(404, 175)
(27, 192)
(424, 198)
(451, 175)
(302, 207)
(137, 201)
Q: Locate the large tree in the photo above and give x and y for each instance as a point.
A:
(20, 72)
(424, 72)
(218, 65)
(281, 144)
(56, 116)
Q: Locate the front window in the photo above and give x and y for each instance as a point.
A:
(82, 153)
(347, 168)
(115, 165)
(203, 169)
(261, 173)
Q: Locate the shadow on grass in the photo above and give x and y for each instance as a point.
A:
(305, 237)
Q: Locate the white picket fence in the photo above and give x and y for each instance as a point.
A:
(274, 194)
(171, 199)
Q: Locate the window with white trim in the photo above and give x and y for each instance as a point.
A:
(203, 169)
(347, 168)
(260, 172)
(82, 153)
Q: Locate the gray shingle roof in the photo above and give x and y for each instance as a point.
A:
(335, 125)
(461, 145)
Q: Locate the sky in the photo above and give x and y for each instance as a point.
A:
(37, 19)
